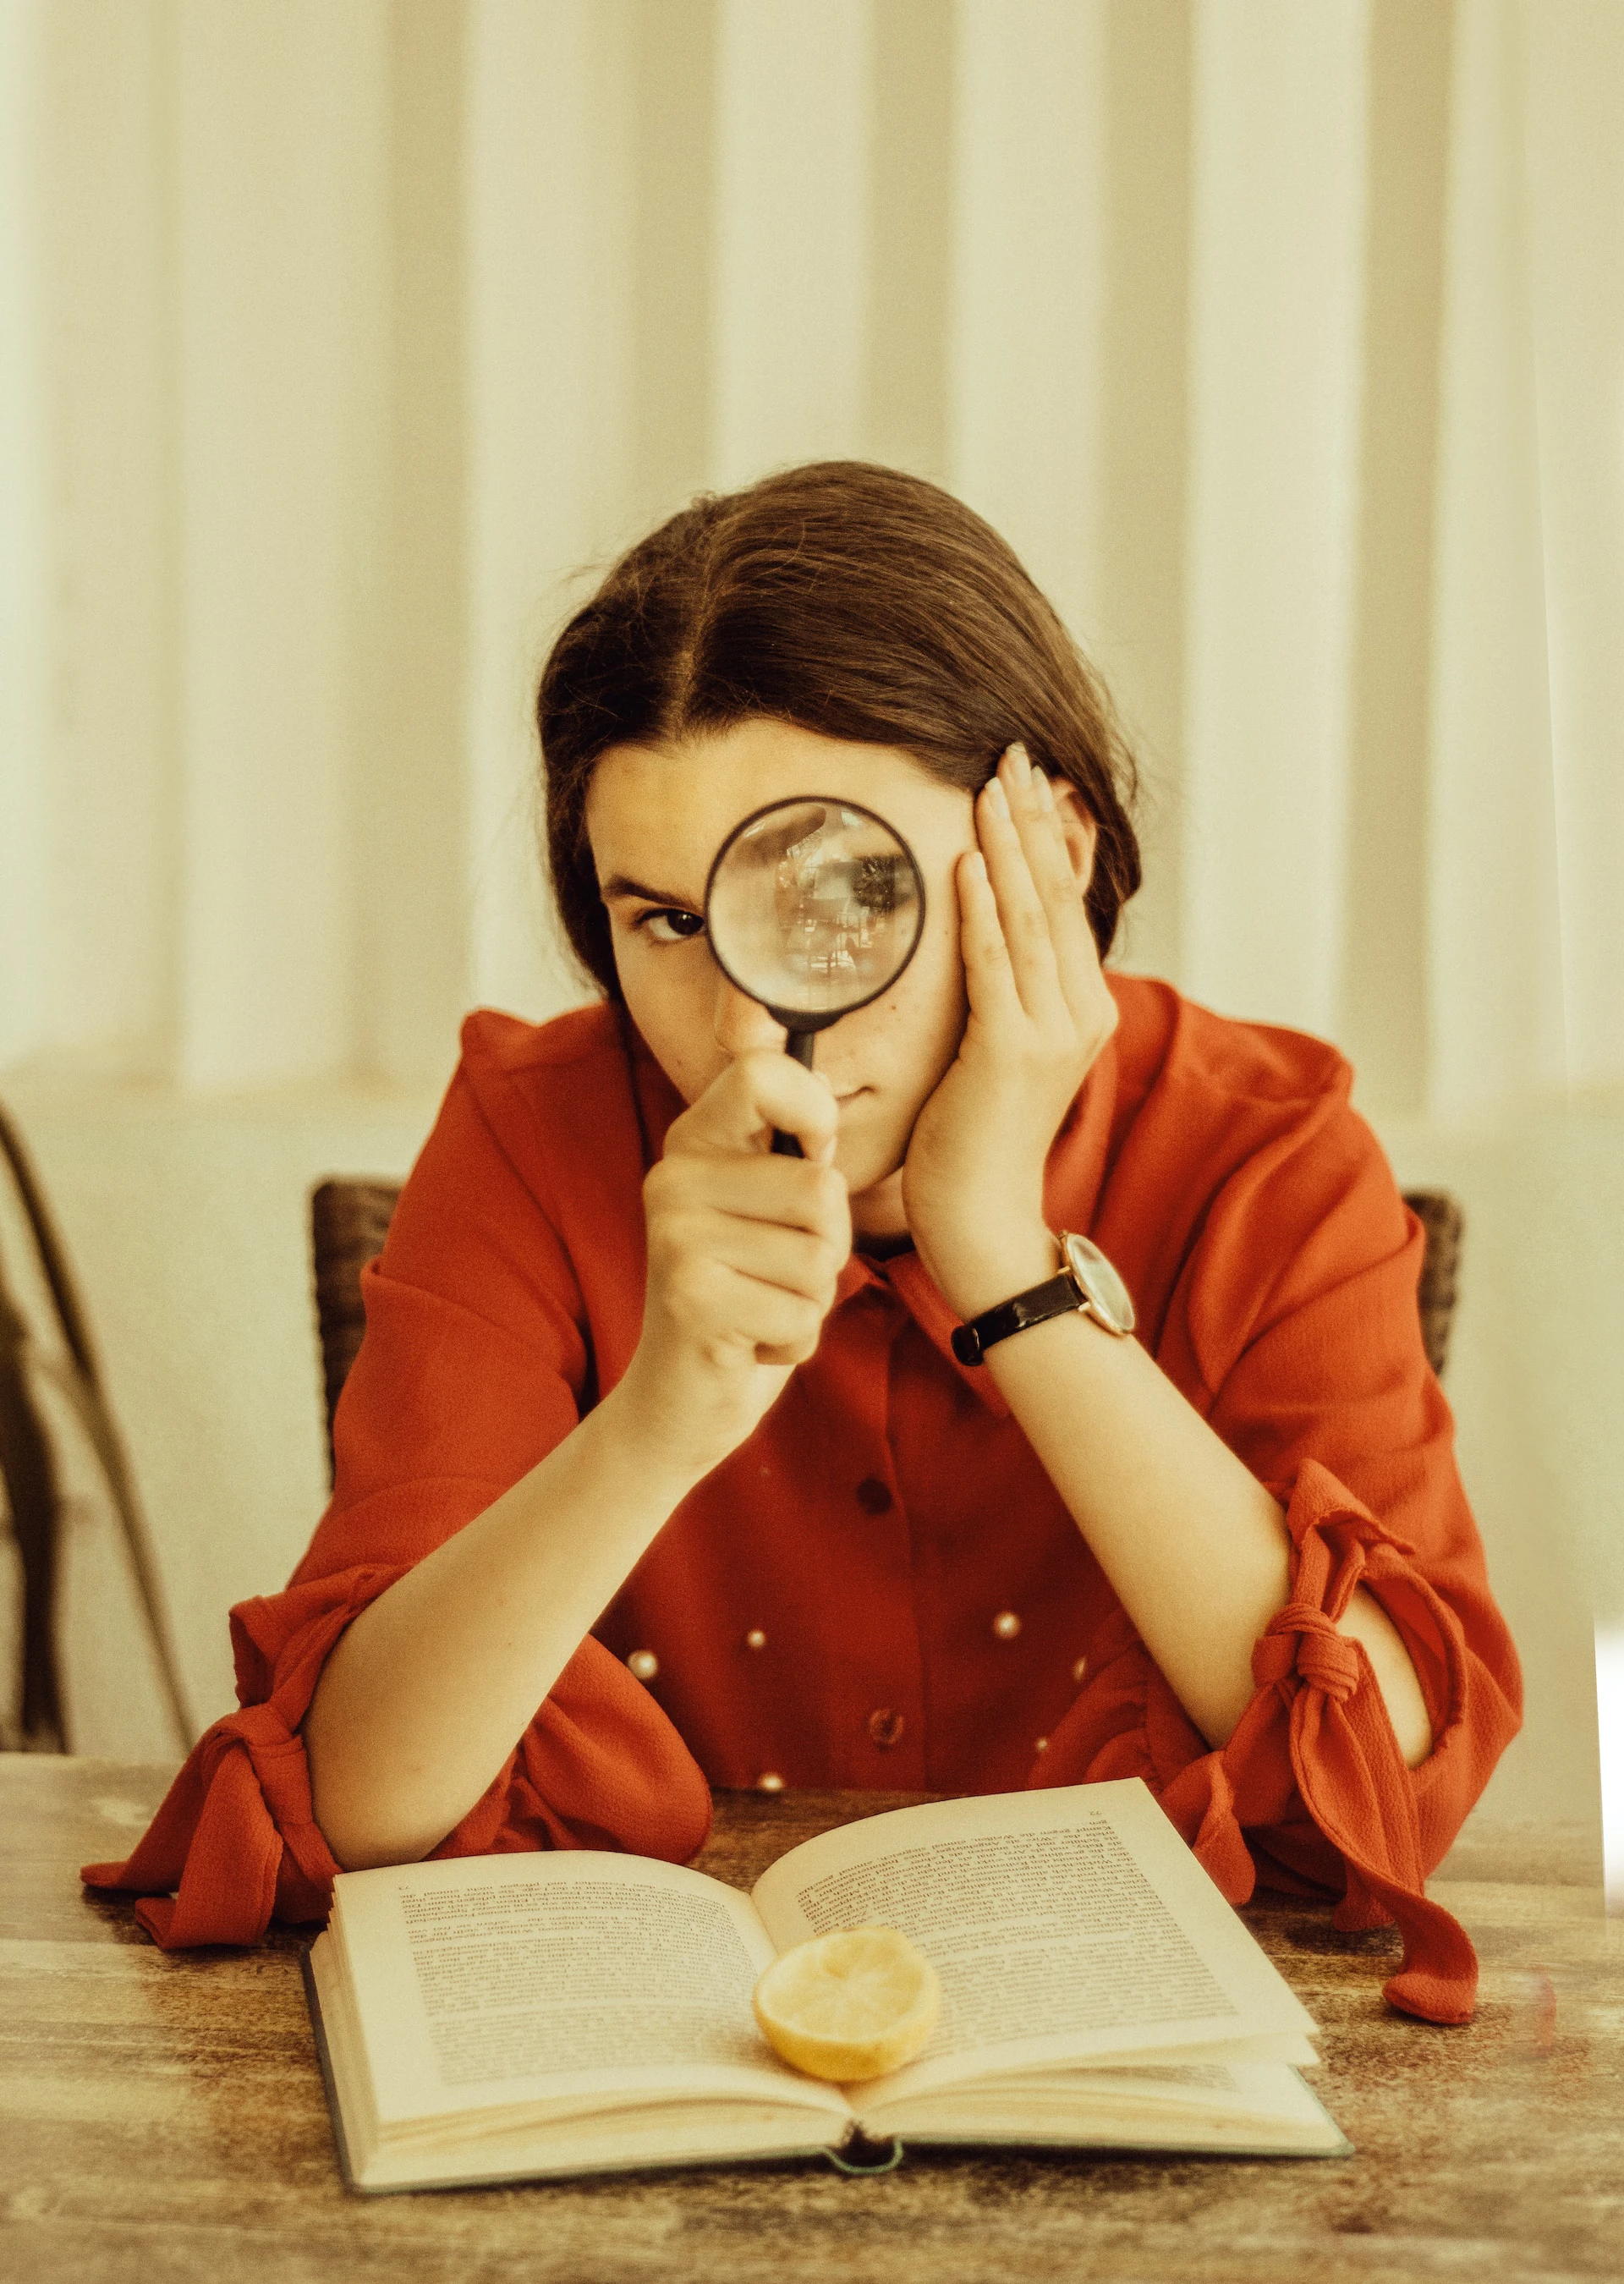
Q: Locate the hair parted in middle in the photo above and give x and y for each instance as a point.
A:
(848, 600)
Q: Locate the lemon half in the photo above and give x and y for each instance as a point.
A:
(849, 2006)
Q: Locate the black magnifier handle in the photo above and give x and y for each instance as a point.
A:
(800, 1045)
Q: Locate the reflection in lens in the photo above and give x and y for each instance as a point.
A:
(814, 907)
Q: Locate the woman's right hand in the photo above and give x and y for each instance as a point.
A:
(744, 1252)
(426, 1692)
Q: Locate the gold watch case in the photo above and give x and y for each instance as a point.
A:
(1105, 1296)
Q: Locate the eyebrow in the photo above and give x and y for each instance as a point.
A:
(618, 886)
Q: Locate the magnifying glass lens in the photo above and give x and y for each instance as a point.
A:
(815, 908)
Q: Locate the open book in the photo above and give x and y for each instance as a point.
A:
(499, 2017)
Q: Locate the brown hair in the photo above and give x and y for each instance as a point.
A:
(850, 600)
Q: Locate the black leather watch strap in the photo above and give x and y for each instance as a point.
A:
(971, 1342)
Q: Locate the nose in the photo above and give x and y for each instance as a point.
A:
(741, 1023)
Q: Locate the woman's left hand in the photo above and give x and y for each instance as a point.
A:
(1040, 1012)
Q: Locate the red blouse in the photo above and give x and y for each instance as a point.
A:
(881, 1588)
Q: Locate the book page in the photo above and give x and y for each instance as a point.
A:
(1065, 1926)
(1259, 2107)
(489, 1981)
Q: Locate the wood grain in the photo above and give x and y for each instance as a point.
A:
(163, 2118)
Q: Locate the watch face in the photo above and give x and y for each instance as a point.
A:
(1108, 1298)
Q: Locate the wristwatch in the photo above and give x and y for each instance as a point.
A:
(1087, 1282)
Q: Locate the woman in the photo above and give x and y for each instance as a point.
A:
(663, 1432)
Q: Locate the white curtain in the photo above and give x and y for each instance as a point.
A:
(343, 339)
(339, 337)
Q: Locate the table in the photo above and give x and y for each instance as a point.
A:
(163, 2117)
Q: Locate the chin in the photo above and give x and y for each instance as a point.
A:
(868, 1180)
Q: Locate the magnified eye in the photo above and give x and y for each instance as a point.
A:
(874, 883)
(670, 926)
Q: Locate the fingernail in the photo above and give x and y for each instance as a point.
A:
(1021, 758)
(996, 797)
(1043, 791)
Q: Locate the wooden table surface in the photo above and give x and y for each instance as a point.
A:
(163, 2118)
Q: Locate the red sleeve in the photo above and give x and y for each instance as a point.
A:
(474, 1365)
(1295, 1331)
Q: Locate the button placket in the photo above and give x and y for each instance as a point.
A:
(882, 1683)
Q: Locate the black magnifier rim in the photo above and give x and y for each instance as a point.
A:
(791, 1020)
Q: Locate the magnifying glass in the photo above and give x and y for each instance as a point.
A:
(814, 907)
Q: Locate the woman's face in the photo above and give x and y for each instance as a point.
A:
(656, 817)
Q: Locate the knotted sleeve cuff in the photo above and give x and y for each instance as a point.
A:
(1311, 1791)
(236, 1841)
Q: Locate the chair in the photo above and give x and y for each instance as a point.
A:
(1441, 1217)
(348, 1224)
(349, 1221)
(82, 1555)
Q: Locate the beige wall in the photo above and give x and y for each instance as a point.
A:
(342, 339)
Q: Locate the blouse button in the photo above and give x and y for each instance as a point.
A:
(1041, 1745)
(1080, 1669)
(873, 1497)
(770, 1781)
(885, 1725)
(644, 1665)
(755, 1639)
(1006, 1625)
